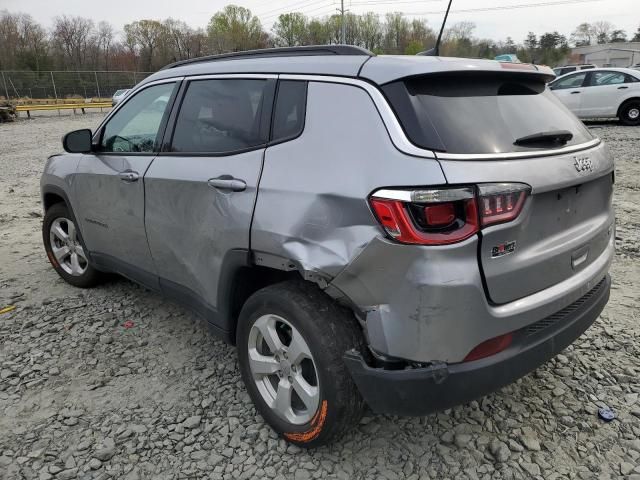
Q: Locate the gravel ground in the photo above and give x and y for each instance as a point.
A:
(83, 396)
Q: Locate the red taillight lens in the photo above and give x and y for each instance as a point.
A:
(442, 216)
(427, 217)
(501, 202)
(490, 347)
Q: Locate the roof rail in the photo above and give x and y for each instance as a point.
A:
(278, 52)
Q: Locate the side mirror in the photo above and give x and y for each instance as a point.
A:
(78, 141)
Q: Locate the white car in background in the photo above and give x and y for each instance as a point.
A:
(119, 95)
(601, 93)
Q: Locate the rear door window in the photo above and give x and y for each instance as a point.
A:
(599, 79)
(223, 116)
(477, 113)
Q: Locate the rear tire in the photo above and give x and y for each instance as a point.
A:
(65, 249)
(276, 324)
(630, 113)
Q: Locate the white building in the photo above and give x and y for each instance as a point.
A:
(623, 54)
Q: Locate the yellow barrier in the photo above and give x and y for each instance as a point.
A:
(62, 106)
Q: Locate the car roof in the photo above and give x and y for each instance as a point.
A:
(357, 63)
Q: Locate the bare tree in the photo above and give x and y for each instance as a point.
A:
(602, 30)
(74, 37)
(396, 35)
(105, 37)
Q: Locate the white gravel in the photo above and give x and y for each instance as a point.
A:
(81, 396)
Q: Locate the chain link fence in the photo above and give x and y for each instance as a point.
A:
(62, 86)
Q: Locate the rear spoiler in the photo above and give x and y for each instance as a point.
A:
(388, 68)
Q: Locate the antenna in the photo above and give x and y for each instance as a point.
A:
(435, 51)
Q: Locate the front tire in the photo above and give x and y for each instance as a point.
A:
(291, 339)
(65, 250)
(630, 113)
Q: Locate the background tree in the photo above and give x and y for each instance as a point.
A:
(371, 31)
(75, 43)
(618, 36)
(396, 33)
(146, 35)
(602, 31)
(235, 29)
(73, 36)
(553, 47)
(584, 34)
(290, 29)
(105, 37)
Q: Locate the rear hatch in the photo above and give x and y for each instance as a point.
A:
(507, 127)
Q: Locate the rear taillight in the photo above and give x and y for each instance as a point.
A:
(501, 202)
(442, 216)
(427, 217)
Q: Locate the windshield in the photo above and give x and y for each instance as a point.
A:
(478, 113)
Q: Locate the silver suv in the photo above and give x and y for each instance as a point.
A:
(407, 233)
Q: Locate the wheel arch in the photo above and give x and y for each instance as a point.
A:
(625, 103)
(243, 273)
(52, 194)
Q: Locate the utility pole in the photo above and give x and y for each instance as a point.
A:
(343, 36)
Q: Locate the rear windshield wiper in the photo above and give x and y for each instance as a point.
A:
(554, 137)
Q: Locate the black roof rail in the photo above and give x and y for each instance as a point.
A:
(278, 52)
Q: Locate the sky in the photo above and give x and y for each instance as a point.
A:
(498, 21)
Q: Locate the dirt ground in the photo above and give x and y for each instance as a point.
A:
(82, 396)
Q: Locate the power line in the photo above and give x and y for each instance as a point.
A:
(507, 7)
(285, 8)
(389, 2)
(285, 11)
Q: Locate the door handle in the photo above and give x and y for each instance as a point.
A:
(573, 93)
(622, 88)
(227, 182)
(129, 176)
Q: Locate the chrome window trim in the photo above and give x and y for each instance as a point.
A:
(389, 119)
(222, 76)
(131, 94)
(402, 143)
(515, 155)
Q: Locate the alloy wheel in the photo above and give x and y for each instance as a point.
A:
(66, 247)
(283, 369)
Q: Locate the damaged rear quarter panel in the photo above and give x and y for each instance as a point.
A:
(312, 203)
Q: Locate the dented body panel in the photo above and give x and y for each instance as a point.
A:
(312, 204)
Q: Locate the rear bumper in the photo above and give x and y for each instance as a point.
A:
(424, 390)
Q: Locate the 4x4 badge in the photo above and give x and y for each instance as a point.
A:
(503, 249)
(583, 164)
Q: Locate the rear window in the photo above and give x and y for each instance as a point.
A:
(480, 113)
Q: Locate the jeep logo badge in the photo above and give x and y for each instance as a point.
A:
(583, 164)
